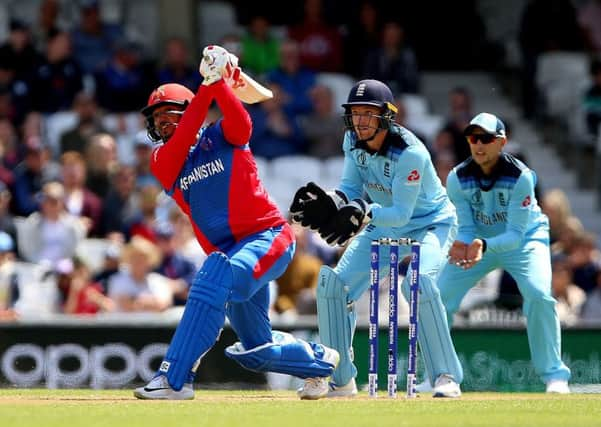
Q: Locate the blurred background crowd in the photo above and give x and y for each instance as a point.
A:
(85, 228)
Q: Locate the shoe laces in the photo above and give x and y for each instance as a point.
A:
(159, 381)
(444, 379)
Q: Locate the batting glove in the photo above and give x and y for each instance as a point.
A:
(217, 63)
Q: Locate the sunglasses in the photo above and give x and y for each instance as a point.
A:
(484, 138)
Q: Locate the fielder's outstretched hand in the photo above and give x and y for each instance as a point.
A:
(314, 208)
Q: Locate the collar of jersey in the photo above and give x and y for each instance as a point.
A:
(389, 141)
(492, 178)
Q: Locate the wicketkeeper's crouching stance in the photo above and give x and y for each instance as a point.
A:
(211, 174)
(390, 166)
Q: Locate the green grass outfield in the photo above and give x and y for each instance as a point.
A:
(89, 408)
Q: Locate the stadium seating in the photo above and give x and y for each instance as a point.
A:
(562, 77)
(427, 125)
(56, 124)
(331, 172)
(284, 175)
(126, 128)
(296, 170)
(340, 84)
(137, 16)
(38, 294)
(264, 168)
(215, 20)
(4, 18)
(415, 105)
(92, 252)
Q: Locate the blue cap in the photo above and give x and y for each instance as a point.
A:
(489, 123)
(6, 242)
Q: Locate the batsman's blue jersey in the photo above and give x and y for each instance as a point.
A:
(500, 208)
(212, 175)
(400, 181)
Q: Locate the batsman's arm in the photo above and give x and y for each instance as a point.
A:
(236, 123)
(167, 160)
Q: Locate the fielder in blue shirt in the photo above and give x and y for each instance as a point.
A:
(389, 185)
(502, 226)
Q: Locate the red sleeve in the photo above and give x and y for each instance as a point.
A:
(236, 123)
(168, 159)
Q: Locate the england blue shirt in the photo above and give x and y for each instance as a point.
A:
(399, 180)
(500, 208)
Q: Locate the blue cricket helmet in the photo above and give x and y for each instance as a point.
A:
(369, 92)
(374, 93)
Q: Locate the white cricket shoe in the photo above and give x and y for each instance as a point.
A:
(314, 388)
(159, 389)
(446, 386)
(318, 387)
(424, 387)
(347, 390)
(558, 386)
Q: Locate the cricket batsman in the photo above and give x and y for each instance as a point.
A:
(388, 189)
(502, 226)
(211, 174)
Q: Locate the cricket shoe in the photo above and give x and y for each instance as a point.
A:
(446, 386)
(424, 387)
(159, 389)
(558, 386)
(347, 390)
(318, 387)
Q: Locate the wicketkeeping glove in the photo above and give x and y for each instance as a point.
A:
(346, 223)
(314, 208)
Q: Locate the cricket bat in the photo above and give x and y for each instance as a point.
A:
(245, 88)
(249, 90)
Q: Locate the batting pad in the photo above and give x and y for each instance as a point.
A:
(433, 336)
(202, 320)
(336, 318)
(285, 355)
